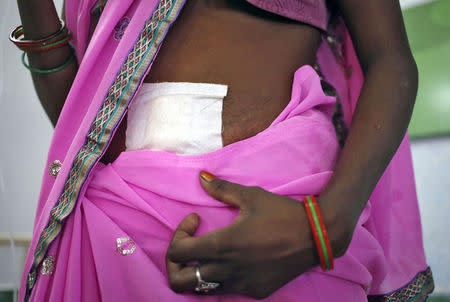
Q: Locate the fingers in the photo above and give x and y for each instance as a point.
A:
(217, 244)
(211, 246)
(228, 192)
(182, 279)
(187, 227)
(186, 248)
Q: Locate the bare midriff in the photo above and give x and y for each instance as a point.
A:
(231, 42)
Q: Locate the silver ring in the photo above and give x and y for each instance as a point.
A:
(204, 287)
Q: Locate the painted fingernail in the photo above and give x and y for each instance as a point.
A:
(207, 176)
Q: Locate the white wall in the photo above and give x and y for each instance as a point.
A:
(431, 158)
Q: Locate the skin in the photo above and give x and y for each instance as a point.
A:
(258, 73)
(258, 65)
(40, 19)
(244, 256)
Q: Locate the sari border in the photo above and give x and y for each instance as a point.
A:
(113, 108)
(417, 290)
(95, 12)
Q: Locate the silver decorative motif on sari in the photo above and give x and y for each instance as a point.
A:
(125, 246)
(54, 168)
(121, 91)
(48, 265)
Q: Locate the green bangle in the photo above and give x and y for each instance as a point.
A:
(319, 231)
(47, 45)
(28, 43)
(52, 70)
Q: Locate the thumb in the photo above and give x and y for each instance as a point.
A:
(187, 227)
(225, 191)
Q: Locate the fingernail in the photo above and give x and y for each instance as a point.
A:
(207, 176)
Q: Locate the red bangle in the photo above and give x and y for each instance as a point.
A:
(66, 34)
(319, 233)
(18, 32)
(46, 48)
(315, 234)
(324, 232)
(58, 39)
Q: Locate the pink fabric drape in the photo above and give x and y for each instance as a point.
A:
(138, 195)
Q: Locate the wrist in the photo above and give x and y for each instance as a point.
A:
(338, 223)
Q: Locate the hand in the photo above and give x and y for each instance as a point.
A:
(269, 243)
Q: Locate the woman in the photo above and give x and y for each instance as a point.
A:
(277, 145)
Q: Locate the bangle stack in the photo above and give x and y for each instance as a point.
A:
(51, 70)
(319, 232)
(56, 40)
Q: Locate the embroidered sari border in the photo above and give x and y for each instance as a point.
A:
(112, 110)
(96, 12)
(417, 290)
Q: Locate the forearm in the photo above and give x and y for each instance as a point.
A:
(40, 19)
(378, 127)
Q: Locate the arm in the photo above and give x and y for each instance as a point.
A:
(40, 19)
(254, 260)
(382, 114)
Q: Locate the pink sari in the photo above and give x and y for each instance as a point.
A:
(101, 231)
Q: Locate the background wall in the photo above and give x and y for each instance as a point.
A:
(25, 136)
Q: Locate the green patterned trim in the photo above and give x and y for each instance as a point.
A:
(112, 110)
(415, 291)
(96, 12)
